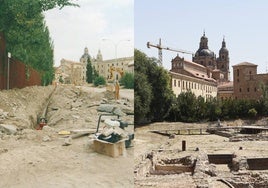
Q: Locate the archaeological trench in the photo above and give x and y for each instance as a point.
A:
(172, 164)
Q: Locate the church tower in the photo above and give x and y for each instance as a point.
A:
(223, 61)
(99, 56)
(204, 56)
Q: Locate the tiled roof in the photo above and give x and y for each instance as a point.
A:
(245, 64)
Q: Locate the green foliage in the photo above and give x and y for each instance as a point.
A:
(252, 112)
(153, 95)
(95, 74)
(27, 36)
(142, 97)
(127, 80)
(187, 103)
(100, 80)
(89, 72)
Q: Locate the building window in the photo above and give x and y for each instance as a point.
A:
(174, 83)
(248, 89)
(237, 71)
(249, 72)
(202, 63)
(194, 85)
(183, 84)
(222, 66)
(237, 79)
(255, 89)
(179, 84)
(240, 90)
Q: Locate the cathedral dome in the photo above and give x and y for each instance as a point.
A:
(206, 52)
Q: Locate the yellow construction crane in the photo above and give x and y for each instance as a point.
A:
(160, 47)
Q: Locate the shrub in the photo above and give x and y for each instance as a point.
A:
(252, 112)
(128, 80)
(100, 80)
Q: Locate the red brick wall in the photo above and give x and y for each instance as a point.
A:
(18, 77)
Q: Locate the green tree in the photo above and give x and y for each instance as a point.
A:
(27, 36)
(100, 80)
(89, 72)
(127, 80)
(142, 97)
(187, 104)
(95, 74)
(157, 82)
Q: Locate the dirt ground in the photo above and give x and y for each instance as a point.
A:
(37, 158)
(146, 142)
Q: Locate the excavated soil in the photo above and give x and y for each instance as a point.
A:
(38, 158)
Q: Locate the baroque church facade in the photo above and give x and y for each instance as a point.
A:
(203, 74)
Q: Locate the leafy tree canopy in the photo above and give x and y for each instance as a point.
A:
(27, 36)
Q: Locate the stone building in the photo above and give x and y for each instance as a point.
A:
(70, 72)
(83, 60)
(113, 69)
(247, 83)
(190, 76)
(204, 73)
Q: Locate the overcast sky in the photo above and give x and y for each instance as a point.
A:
(72, 29)
(180, 24)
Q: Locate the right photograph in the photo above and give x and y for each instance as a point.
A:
(201, 94)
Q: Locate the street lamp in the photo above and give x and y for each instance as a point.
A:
(8, 61)
(116, 45)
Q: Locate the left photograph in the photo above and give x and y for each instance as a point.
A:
(66, 90)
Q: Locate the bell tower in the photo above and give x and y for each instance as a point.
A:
(223, 61)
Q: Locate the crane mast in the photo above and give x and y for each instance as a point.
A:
(160, 48)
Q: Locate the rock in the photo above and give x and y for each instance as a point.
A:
(127, 110)
(106, 108)
(172, 136)
(47, 128)
(119, 112)
(8, 129)
(46, 139)
(75, 116)
(67, 141)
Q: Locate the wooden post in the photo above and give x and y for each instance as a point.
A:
(183, 145)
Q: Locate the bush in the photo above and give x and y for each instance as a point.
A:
(100, 80)
(252, 112)
(128, 80)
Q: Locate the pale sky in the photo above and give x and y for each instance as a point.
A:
(180, 24)
(74, 28)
